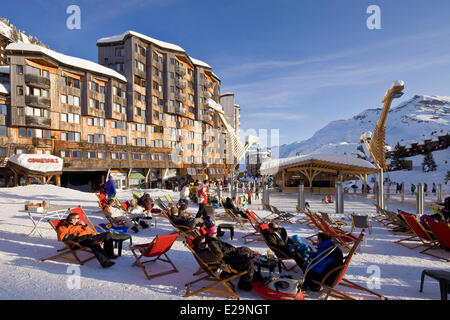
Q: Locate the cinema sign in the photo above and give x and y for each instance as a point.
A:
(44, 163)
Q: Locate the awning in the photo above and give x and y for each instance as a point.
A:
(137, 176)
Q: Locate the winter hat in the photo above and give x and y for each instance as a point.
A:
(211, 230)
(296, 238)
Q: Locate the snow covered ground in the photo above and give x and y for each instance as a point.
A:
(388, 268)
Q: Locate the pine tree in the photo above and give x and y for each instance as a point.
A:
(428, 163)
(398, 155)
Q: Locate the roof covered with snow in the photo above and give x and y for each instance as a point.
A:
(271, 166)
(67, 60)
(4, 88)
(200, 63)
(4, 69)
(121, 37)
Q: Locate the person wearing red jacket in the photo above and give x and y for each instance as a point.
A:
(75, 230)
(202, 196)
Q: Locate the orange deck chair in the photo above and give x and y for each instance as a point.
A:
(156, 249)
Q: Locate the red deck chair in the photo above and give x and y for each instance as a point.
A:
(441, 231)
(155, 249)
(72, 248)
(344, 239)
(258, 224)
(424, 237)
(331, 291)
(102, 201)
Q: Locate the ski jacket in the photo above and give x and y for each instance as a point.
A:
(70, 232)
(202, 194)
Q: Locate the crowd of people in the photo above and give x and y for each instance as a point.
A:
(208, 245)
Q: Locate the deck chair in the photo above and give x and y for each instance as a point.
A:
(169, 200)
(361, 221)
(394, 223)
(326, 216)
(137, 195)
(102, 201)
(161, 204)
(71, 250)
(331, 291)
(183, 230)
(441, 231)
(281, 256)
(258, 224)
(281, 216)
(343, 239)
(230, 216)
(306, 220)
(301, 220)
(157, 249)
(212, 275)
(419, 234)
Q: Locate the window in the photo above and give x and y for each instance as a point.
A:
(2, 152)
(19, 69)
(92, 155)
(63, 98)
(114, 155)
(20, 111)
(19, 90)
(3, 131)
(76, 154)
(65, 154)
(3, 109)
(119, 67)
(38, 133)
(124, 156)
(46, 74)
(119, 52)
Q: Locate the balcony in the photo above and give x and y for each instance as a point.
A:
(180, 97)
(207, 84)
(43, 143)
(180, 70)
(40, 122)
(37, 81)
(180, 125)
(36, 101)
(180, 111)
(158, 129)
(180, 83)
(205, 118)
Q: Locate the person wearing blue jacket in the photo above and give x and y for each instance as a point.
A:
(297, 245)
(321, 267)
(110, 188)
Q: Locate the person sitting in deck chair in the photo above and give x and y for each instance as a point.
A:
(146, 201)
(75, 230)
(240, 259)
(319, 268)
(119, 214)
(230, 204)
(180, 217)
(278, 239)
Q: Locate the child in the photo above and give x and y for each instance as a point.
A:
(300, 247)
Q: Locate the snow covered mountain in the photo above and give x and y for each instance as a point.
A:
(8, 30)
(412, 121)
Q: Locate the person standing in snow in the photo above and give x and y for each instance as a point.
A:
(110, 188)
(184, 194)
(433, 188)
(413, 187)
(202, 198)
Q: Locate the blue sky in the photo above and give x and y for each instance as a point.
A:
(294, 65)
